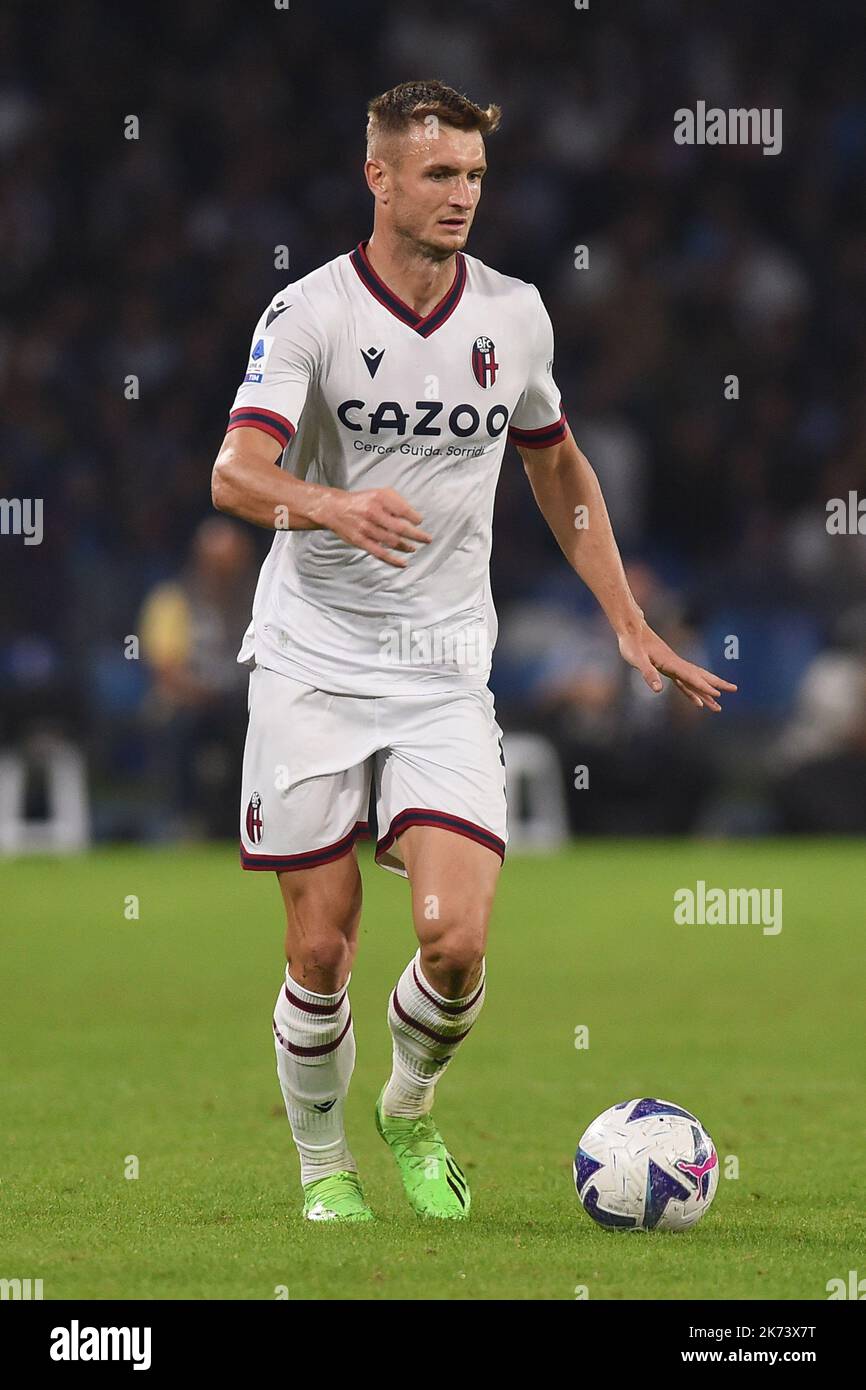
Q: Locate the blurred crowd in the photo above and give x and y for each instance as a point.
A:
(153, 257)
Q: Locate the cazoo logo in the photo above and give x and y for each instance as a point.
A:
(462, 420)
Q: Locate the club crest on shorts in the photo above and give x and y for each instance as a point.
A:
(484, 363)
(255, 820)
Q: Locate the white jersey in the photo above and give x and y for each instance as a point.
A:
(363, 392)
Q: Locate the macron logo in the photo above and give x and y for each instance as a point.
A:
(372, 357)
(275, 311)
(77, 1343)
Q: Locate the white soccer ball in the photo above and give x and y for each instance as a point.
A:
(646, 1165)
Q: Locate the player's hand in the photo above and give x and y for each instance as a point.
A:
(647, 653)
(377, 520)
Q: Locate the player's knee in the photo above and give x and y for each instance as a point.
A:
(326, 956)
(452, 961)
(321, 954)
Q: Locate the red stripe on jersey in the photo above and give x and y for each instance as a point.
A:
(254, 417)
(385, 296)
(543, 438)
(431, 324)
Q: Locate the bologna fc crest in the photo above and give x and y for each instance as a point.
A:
(255, 820)
(484, 363)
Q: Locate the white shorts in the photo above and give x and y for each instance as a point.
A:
(312, 759)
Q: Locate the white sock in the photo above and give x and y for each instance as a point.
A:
(426, 1029)
(315, 1046)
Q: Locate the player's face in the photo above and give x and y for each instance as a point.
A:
(435, 187)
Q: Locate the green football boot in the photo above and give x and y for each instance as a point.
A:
(435, 1184)
(339, 1197)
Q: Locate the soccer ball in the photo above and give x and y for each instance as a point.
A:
(646, 1165)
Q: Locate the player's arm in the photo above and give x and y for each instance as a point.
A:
(569, 496)
(284, 358)
(245, 483)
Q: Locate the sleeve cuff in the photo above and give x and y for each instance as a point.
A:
(254, 418)
(542, 438)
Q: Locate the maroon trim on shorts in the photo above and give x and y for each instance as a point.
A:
(310, 859)
(443, 820)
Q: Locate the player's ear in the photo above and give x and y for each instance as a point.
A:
(378, 181)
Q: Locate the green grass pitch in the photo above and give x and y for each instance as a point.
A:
(152, 1038)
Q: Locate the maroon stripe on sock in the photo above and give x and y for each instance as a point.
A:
(446, 1008)
(314, 1008)
(311, 1051)
(422, 1027)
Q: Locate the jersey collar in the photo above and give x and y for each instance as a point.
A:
(379, 290)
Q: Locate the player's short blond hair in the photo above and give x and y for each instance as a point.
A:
(395, 111)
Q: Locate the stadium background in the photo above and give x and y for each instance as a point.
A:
(138, 979)
(155, 256)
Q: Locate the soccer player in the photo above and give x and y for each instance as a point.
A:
(387, 383)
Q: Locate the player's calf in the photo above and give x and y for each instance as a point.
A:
(426, 1030)
(315, 1050)
(313, 1033)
